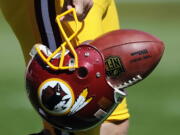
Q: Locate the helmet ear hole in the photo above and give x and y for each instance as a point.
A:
(82, 72)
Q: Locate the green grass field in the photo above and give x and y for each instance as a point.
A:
(154, 104)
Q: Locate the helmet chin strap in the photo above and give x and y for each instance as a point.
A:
(46, 51)
(41, 47)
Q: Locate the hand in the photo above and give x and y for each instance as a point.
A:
(82, 8)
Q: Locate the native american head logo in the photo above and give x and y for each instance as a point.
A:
(56, 96)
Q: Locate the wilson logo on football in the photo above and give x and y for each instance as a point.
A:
(57, 97)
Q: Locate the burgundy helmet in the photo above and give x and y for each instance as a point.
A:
(72, 99)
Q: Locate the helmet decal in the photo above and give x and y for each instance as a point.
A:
(56, 96)
(81, 102)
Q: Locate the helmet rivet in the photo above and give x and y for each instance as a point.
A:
(97, 60)
(87, 54)
(98, 74)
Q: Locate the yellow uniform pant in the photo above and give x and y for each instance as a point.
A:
(33, 21)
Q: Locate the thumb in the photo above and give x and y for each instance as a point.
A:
(79, 7)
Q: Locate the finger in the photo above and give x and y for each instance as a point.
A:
(66, 4)
(86, 11)
(68, 17)
(78, 4)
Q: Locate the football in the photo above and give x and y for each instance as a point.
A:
(130, 55)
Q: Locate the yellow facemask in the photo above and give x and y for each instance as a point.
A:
(63, 47)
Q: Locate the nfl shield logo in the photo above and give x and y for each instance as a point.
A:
(114, 66)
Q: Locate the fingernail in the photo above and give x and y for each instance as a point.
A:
(62, 18)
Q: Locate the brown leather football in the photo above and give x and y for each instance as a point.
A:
(130, 55)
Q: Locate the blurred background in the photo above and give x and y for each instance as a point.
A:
(154, 103)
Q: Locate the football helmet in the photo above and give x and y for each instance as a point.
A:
(68, 87)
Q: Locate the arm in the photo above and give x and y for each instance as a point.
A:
(115, 128)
